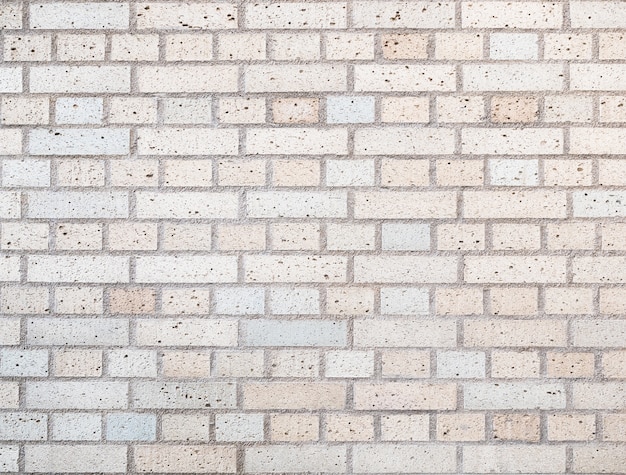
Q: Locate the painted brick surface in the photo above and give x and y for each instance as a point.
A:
(326, 236)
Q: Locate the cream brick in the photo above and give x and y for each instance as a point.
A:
(296, 236)
(598, 15)
(404, 46)
(179, 395)
(383, 204)
(518, 395)
(294, 363)
(188, 301)
(294, 427)
(349, 45)
(399, 427)
(11, 16)
(568, 300)
(599, 269)
(179, 16)
(186, 269)
(299, 110)
(295, 269)
(25, 110)
(92, 269)
(241, 46)
(186, 205)
(508, 46)
(80, 47)
(184, 458)
(567, 46)
(296, 172)
(514, 109)
(306, 458)
(568, 172)
(186, 364)
(570, 365)
(568, 108)
(512, 141)
(520, 333)
(513, 77)
(349, 301)
(599, 395)
(239, 363)
(79, 141)
(286, 395)
(606, 333)
(344, 237)
(77, 332)
(182, 427)
(79, 79)
(295, 46)
(405, 396)
(405, 269)
(575, 235)
(133, 236)
(404, 333)
(24, 300)
(76, 426)
(403, 458)
(349, 364)
(187, 237)
(515, 269)
(460, 109)
(189, 47)
(613, 426)
(512, 459)
(600, 459)
(76, 395)
(596, 77)
(172, 141)
(70, 236)
(296, 15)
(134, 47)
(132, 110)
(346, 428)
(514, 301)
(289, 78)
(297, 141)
(241, 110)
(409, 78)
(186, 79)
(78, 300)
(80, 173)
(240, 173)
(459, 301)
(75, 458)
(520, 237)
(515, 204)
(11, 333)
(241, 237)
(403, 15)
(612, 172)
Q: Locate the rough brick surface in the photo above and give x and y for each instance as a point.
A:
(313, 236)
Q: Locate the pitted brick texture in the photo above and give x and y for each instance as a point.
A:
(314, 236)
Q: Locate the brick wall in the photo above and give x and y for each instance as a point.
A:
(313, 237)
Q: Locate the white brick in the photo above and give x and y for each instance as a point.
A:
(171, 141)
(77, 331)
(194, 16)
(79, 110)
(403, 301)
(297, 141)
(75, 459)
(23, 426)
(294, 301)
(405, 269)
(512, 77)
(9, 455)
(187, 79)
(289, 78)
(296, 15)
(85, 16)
(522, 15)
(76, 395)
(410, 78)
(10, 142)
(186, 269)
(510, 141)
(79, 141)
(77, 205)
(403, 141)
(186, 205)
(297, 204)
(186, 332)
(415, 14)
(522, 46)
(514, 459)
(76, 426)
(523, 395)
(93, 269)
(79, 79)
(397, 458)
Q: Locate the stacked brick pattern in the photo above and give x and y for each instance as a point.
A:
(313, 237)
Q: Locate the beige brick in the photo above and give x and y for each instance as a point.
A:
(80, 47)
(568, 172)
(181, 427)
(132, 300)
(514, 301)
(78, 363)
(240, 173)
(460, 172)
(404, 109)
(200, 16)
(296, 172)
(459, 301)
(518, 427)
(457, 45)
(284, 395)
(295, 46)
(570, 365)
(460, 427)
(183, 459)
(564, 427)
(239, 363)
(514, 109)
(567, 46)
(519, 333)
(296, 110)
(134, 47)
(612, 46)
(349, 301)
(405, 364)
(294, 427)
(188, 47)
(404, 46)
(27, 47)
(460, 109)
(515, 364)
(133, 236)
(187, 237)
(289, 78)
(241, 237)
(25, 110)
(186, 364)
